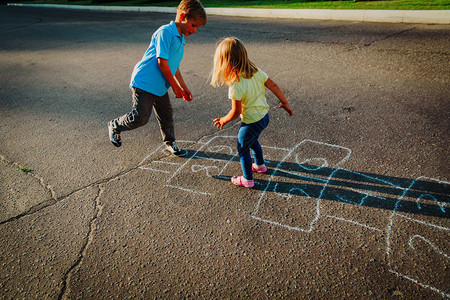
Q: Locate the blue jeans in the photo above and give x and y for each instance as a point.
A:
(248, 140)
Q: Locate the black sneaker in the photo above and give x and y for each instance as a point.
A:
(114, 136)
(173, 148)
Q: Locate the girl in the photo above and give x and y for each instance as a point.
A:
(246, 90)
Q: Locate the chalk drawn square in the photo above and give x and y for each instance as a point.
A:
(354, 196)
(426, 197)
(420, 252)
(206, 163)
(292, 195)
(158, 160)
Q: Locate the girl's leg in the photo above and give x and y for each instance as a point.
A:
(257, 153)
(248, 139)
(245, 138)
(140, 113)
(256, 146)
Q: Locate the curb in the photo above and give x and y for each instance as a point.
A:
(356, 15)
(384, 16)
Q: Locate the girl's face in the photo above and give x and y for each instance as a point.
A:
(188, 27)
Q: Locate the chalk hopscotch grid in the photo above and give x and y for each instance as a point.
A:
(321, 180)
(325, 183)
(431, 225)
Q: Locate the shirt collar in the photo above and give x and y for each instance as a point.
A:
(174, 29)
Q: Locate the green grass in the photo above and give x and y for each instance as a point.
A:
(292, 4)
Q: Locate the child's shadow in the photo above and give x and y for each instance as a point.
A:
(420, 196)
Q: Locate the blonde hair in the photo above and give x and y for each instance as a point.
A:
(192, 9)
(231, 62)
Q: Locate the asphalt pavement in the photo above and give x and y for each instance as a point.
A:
(355, 204)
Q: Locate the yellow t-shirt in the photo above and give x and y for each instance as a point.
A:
(252, 94)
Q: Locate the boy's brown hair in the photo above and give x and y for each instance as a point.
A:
(192, 9)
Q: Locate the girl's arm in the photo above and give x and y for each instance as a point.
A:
(234, 112)
(187, 95)
(271, 85)
(165, 70)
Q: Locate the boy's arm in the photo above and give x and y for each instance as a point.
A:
(234, 112)
(187, 95)
(165, 70)
(271, 85)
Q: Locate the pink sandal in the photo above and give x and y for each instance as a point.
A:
(241, 181)
(259, 169)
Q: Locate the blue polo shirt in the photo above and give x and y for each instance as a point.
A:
(166, 43)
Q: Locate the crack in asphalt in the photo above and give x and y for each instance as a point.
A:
(380, 39)
(47, 187)
(389, 36)
(89, 239)
(54, 200)
(92, 223)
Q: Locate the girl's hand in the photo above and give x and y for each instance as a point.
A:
(287, 108)
(232, 115)
(219, 123)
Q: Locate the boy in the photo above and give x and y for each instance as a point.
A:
(156, 72)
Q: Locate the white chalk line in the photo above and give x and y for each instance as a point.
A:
(299, 176)
(159, 170)
(198, 150)
(280, 224)
(156, 170)
(276, 148)
(384, 182)
(271, 178)
(166, 162)
(290, 151)
(440, 204)
(394, 213)
(432, 179)
(289, 197)
(361, 203)
(436, 248)
(348, 201)
(424, 223)
(421, 284)
(188, 190)
(199, 168)
(330, 145)
(302, 164)
(154, 151)
(218, 148)
(389, 226)
(195, 155)
(366, 195)
(354, 222)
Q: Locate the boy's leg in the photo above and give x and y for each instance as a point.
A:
(164, 115)
(139, 115)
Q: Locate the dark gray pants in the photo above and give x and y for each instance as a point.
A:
(143, 103)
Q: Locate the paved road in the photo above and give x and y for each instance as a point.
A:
(355, 205)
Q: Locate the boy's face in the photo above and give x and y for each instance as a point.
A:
(188, 27)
